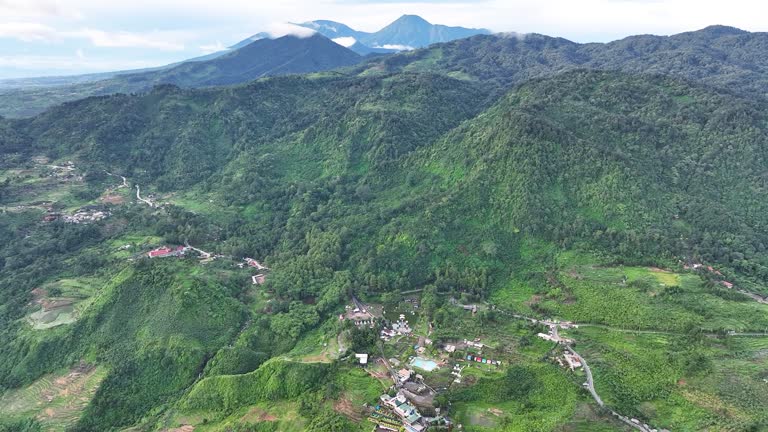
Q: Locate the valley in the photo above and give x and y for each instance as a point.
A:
(612, 317)
(490, 233)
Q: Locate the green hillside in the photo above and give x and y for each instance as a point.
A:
(717, 55)
(557, 200)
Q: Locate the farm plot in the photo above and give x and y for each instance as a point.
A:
(57, 401)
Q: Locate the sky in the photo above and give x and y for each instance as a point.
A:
(65, 37)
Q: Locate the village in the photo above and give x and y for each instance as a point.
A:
(417, 365)
(420, 369)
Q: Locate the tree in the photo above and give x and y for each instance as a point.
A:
(429, 301)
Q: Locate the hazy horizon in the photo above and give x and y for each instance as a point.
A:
(58, 38)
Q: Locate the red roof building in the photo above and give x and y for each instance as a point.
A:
(165, 251)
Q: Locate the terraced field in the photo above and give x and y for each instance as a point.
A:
(57, 401)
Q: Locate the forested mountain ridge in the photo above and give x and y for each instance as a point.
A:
(720, 56)
(643, 165)
(650, 128)
(496, 176)
(260, 58)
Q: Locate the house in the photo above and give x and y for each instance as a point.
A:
(255, 264)
(159, 252)
(165, 251)
(572, 360)
(362, 358)
(259, 279)
(404, 375)
(727, 284)
(476, 343)
(450, 348)
(547, 337)
(407, 412)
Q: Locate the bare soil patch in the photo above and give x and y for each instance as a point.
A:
(535, 299)
(344, 407)
(183, 428)
(256, 415)
(113, 199)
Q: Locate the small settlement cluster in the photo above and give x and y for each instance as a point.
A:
(84, 215)
(418, 367)
(179, 251)
(568, 359)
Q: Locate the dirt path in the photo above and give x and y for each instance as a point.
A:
(138, 197)
(125, 181)
(340, 342)
(202, 253)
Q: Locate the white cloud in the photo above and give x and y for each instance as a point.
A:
(395, 47)
(154, 40)
(280, 29)
(212, 48)
(27, 31)
(36, 9)
(170, 30)
(38, 32)
(345, 41)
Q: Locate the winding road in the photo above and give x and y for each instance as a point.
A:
(125, 181)
(590, 383)
(202, 253)
(138, 197)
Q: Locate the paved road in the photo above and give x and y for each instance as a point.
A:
(756, 297)
(588, 371)
(591, 387)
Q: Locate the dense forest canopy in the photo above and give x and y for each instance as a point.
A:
(455, 171)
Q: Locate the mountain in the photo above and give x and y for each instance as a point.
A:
(407, 32)
(559, 198)
(53, 81)
(333, 29)
(412, 31)
(719, 56)
(249, 40)
(263, 57)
